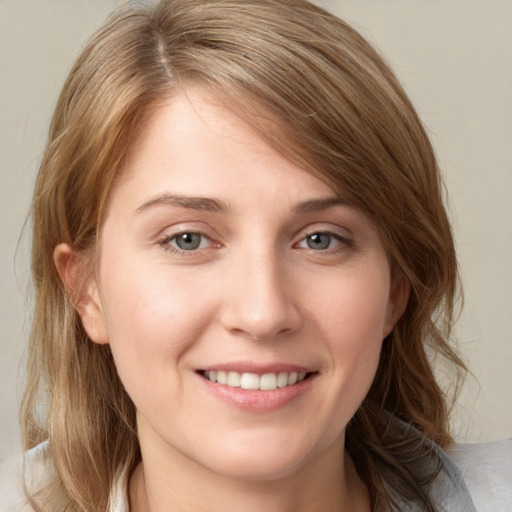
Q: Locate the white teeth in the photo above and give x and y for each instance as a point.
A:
(268, 381)
(282, 380)
(265, 382)
(250, 381)
(233, 379)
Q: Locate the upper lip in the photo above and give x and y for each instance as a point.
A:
(260, 369)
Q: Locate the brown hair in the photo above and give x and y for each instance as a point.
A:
(339, 112)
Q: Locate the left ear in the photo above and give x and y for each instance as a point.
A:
(398, 299)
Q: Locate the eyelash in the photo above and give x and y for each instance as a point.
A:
(343, 241)
(165, 242)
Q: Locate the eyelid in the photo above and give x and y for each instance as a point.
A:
(172, 232)
(199, 228)
(338, 232)
(174, 236)
(341, 237)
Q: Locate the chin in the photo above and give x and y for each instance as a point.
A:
(262, 460)
(258, 470)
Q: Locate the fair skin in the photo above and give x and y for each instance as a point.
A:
(219, 259)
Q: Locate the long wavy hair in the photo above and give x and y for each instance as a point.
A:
(321, 96)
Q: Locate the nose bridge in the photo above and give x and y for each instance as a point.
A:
(259, 304)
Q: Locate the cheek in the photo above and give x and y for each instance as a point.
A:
(153, 322)
(151, 314)
(353, 323)
(353, 307)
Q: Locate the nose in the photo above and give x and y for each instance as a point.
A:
(259, 302)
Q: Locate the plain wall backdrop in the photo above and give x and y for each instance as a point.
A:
(455, 61)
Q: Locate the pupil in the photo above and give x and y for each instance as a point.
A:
(188, 241)
(319, 241)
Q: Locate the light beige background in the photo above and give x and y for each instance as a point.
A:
(455, 60)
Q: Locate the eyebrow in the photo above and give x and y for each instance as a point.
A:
(315, 205)
(206, 204)
(209, 204)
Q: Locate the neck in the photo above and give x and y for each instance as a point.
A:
(156, 485)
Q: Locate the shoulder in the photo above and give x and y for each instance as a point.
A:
(32, 463)
(487, 471)
(12, 497)
(469, 477)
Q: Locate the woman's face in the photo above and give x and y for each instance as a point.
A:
(223, 265)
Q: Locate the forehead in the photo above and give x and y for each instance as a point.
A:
(193, 142)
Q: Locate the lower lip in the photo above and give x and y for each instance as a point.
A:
(256, 400)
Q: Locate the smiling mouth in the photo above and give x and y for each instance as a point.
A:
(246, 380)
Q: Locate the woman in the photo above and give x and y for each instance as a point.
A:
(240, 256)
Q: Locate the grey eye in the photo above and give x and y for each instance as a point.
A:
(319, 241)
(188, 241)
